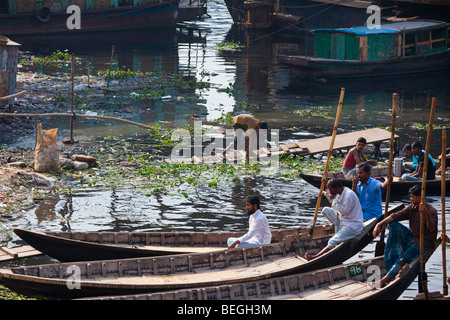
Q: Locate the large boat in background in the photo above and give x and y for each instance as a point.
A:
(27, 17)
(394, 48)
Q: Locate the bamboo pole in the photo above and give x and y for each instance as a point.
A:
(379, 249)
(330, 151)
(30, 115)
(71, 99)
(422, 276)
(18, 94)
(444, 247)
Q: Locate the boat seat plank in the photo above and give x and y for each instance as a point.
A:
(183, 249)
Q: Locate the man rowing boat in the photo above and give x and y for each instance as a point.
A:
(403, 243)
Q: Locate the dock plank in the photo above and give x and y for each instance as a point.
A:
(8, 254)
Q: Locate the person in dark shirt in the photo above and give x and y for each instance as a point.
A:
(404, 243)
(417, 174)
(446, 162)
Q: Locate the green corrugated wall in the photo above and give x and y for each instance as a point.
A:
(381, 47)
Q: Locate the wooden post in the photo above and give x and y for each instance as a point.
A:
(379, 248)
(403, 42)
(444, 247)
(71, 99)
(109, 69)
(422, 275)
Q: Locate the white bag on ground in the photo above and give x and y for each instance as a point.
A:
(46, 154)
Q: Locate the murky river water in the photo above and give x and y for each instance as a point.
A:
(256, 79)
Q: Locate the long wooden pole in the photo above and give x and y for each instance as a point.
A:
(110, 66)
(422, 276)
(71, 98)
(444, 247)
(15, 95)
(30, 115)
(379, 249)
(330, 152)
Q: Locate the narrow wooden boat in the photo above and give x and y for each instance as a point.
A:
(153, 274)
(397, 187)
(367, 51)
(87, 246)
(351, 281)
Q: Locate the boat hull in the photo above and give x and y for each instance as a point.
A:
(148, 16)
(334, 283)
(133, 276)
(311, 67)
(400, 188)
(88, 246)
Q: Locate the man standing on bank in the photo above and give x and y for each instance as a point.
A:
(258, 232)
(369, 192)
(403, 243)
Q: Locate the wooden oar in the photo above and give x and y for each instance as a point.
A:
(422, 275)
(379, 248)
(444, 247)
(330, 152)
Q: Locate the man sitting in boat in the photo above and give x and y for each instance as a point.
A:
(355, 157)
(446, 163)
(258, 232)
(403, 243)
(410, 166)
(249, 125)
(369, 192)
(345, 213)
(417, 174)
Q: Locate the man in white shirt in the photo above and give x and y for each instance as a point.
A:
(259, 231)
(345, 213)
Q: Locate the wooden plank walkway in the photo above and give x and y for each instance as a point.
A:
(343, 141)
(7, 254)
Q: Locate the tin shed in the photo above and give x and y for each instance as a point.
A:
(9, 51)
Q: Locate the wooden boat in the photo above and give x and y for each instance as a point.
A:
(394, 48)
(397, 187)
(87, 246)
(163, 273)
(32, 17)
(343, 282)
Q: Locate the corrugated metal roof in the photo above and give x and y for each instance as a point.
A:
(361, 30)
(393, 27)
(413, 24)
